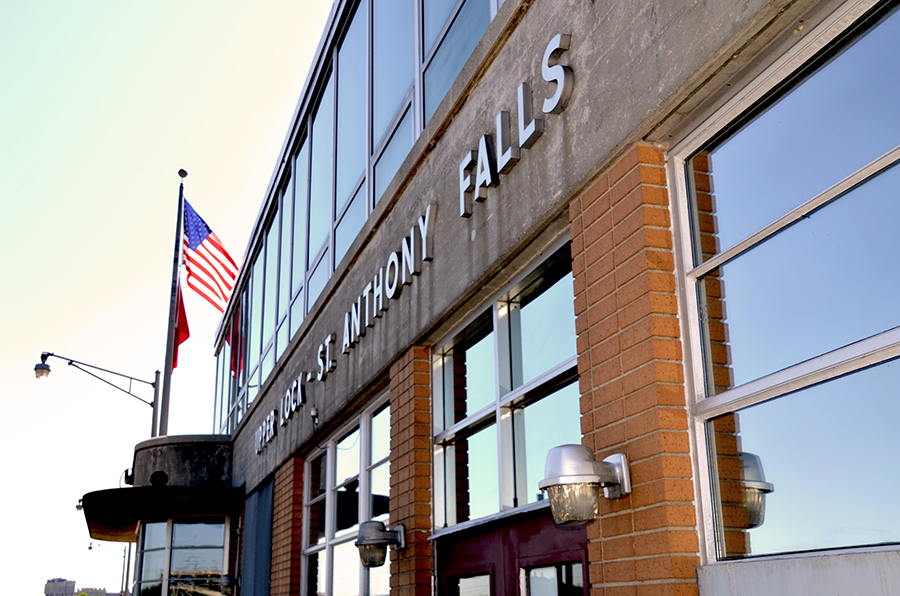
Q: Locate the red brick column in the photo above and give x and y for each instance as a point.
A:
(631, 379)
(411, 455)
(287, 528)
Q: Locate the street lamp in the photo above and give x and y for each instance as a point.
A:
(42, 370)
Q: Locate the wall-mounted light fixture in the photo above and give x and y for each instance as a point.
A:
(573, 479)
(373, 540)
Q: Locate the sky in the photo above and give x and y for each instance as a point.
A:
(101, 103)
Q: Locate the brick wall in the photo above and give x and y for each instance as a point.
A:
(631, 379)
(411, 471)
(287, 528)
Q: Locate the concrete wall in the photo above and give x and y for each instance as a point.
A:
(633, 64)
(872, 574)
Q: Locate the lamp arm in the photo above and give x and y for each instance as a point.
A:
(72, 362)
(149, 403)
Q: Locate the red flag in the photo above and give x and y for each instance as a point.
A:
(181, 328)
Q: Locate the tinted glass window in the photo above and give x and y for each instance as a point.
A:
(351, 105)
(301, 179)
(320, 174)
(393, 155)
(829, 280)
(836, 433)
(832, 124)
(466, 31)
(392, 60)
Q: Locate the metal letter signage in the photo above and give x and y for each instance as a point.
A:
(488, 162)
(400, 267)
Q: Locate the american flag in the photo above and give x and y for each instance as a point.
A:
(211, 272)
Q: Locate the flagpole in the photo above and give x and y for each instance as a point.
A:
(173, 312)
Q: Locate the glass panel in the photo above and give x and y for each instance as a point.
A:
(351, 223)
(477, 461)
(198, 534)
(153, 565)
(381, 435)
(256, 307)
(301, 171)
(282, 339)
(381, 491)
(316, 513)
(351, 106)
(268, 364)
(825, 282)
(380, 580)
(470, 381)
(393, 155)
(347, 456)
(755, 172)
(321, 172)
(434, 15)
(317, 479)
(315, 574)
(317, 280)
(270, 314)
(296, 313)
(284, 267)
(392, 60)
(192, 588)
(154, 589)
(556, 580)
(155, 535)
(547, 323)
(346, 509)
(346, 570)
(466, 31)
(478, 585)
(196, 562)
(809, 445)
(554, 420)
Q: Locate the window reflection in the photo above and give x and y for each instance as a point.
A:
(825, 282)
(393, 155)
(565, 579)
(830, 434)
(351, 107)
(467, 29)
(554, 420)
(320, 202)
(756, 170)
(345, 580)
(477, 585)
(393, 67)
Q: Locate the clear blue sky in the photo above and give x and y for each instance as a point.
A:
(101, 103)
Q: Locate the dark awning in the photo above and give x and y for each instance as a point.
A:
(114, 514)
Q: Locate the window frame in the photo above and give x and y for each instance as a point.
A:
(506, 411)
(362, 423)
(168, 548)
(288, 184)
(704, 405)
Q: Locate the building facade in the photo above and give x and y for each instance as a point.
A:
(495, 228)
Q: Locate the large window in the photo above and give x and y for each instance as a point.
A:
(791, 287)
(182, 557)
(347, 482)
(505, 394)
(382, 79)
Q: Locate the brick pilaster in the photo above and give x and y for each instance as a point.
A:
(411, 455)
(287, 528)
(631, 379)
